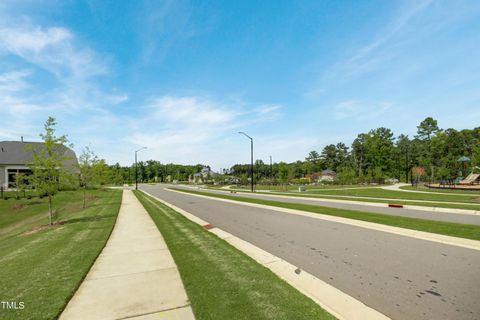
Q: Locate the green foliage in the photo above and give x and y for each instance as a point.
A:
(377, 155)
(48, 164)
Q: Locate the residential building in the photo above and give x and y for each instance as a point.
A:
(327, 175)
(16, 155)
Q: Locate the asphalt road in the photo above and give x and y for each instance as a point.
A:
(420, 214)
(402, 277)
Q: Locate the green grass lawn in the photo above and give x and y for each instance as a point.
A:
(42, 266)
(221, 281)
(433, 190)
(446, 228)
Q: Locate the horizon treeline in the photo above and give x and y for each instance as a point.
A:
(378, 155)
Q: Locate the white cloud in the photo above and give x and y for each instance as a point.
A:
(360, 111)
(53, 49)
(191, 110)
(192, 129)
(32, 40)
(13, 80)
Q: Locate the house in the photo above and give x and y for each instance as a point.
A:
(313, 177)
(15, 156)
(203, 176)
(327, 175)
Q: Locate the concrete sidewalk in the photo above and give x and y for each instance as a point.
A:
(134, 277)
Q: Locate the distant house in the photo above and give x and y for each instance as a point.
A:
(313, 177)
(15, 156)
(327, 175)
(203, 176)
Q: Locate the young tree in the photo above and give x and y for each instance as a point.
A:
(88, 174)
(48, 163)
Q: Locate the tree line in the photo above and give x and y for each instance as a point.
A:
(378, 155)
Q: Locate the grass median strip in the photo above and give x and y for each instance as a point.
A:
(394, 194)
(42, 266)
(466, 205)
(221, 281)
(446, 228)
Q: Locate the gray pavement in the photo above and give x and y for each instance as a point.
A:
(402, 277)
(420, 214)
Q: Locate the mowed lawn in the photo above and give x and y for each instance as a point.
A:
(221, 281)
(42, 266)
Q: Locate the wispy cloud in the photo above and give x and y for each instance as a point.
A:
(352, 109)
(53, 49)
(13, 80)
(190, 111)
(193, 128)
(375, 52)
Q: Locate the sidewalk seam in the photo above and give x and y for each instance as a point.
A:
(164, 310)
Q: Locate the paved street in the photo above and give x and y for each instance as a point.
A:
(402, 277)
(420, 214)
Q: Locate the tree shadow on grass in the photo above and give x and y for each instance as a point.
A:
(87, 219)
(90, 205)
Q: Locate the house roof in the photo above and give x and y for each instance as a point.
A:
(17, 153)
(328, 172)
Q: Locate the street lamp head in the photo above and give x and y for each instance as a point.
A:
(142, 148)
(246, 135)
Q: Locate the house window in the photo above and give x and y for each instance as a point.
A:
(12, 174)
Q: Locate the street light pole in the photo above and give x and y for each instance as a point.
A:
(136, 171)
(251, 157)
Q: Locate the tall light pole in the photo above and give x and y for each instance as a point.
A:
(251, 156)
(136, 171)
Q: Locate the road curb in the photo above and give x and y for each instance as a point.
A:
(336, 302)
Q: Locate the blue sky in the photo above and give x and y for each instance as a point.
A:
(182, 77)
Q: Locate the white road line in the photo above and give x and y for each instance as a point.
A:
(336, 302)
(454, 241)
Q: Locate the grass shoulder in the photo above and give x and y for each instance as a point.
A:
(221, 281)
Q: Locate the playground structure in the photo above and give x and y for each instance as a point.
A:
(471, 182)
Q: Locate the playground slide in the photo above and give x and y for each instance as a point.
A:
(470, 178)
